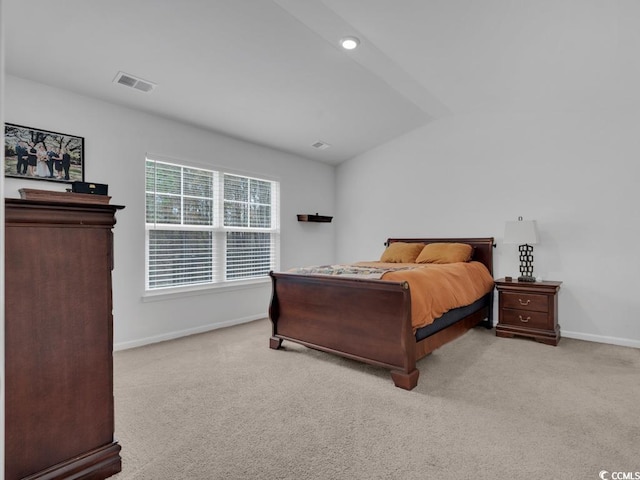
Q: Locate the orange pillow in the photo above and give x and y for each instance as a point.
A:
(401, 252)
(445, 253)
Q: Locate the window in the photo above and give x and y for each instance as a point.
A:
(208, 227)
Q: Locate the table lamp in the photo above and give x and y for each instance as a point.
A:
(523, 233)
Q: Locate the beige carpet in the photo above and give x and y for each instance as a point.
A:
(222, 405)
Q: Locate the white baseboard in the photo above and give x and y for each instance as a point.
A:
(183, 333)
(623, 342)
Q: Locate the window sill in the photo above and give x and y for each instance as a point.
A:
(193, 290)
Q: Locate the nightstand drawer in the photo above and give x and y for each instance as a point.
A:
(525, 301)
(525, 318)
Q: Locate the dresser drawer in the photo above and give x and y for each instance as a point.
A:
(525, 318)
(525, 301)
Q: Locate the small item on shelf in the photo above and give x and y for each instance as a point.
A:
(313, 218)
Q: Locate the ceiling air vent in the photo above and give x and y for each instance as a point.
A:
(320, 145)
(134, 82)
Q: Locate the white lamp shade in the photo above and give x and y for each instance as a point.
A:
(521, 232)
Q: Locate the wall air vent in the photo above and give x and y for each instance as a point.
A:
(134, 82)
(320, 145)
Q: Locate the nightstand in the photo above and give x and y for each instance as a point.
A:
(528, 309)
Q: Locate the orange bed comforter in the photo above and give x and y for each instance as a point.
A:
(437, 288)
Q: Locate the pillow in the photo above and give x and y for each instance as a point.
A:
(445, 253)
(401, 252)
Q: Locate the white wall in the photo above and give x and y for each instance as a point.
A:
(116, 141)
(575, 174)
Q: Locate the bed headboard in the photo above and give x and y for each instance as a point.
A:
(482, 247)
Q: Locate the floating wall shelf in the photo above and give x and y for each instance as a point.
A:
(305, 217)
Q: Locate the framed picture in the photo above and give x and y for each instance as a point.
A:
(42, 155)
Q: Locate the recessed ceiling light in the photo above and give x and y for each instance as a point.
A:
(350, 43)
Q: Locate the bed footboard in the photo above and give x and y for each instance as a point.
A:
(365, 320)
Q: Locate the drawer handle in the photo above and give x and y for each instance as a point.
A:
(524, 303)
(524, 320)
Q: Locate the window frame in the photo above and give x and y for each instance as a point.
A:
(217, 227)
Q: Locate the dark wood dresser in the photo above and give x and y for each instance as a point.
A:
(528, 309)
(59, 412)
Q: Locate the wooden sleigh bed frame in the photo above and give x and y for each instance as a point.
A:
(367, 320)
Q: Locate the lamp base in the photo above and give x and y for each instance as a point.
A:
(526, 263)
(526, 279)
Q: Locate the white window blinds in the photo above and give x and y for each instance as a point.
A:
(205, 226)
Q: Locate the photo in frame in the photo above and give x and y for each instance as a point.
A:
(37, 154)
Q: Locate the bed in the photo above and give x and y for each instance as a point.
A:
(370, 320)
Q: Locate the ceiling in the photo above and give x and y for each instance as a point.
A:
(271, 71)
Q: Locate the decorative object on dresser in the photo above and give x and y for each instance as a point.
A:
(528, 309)
(37, 154)
(370, 319)
(90, 188)
(524, 234)
(59, 408)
